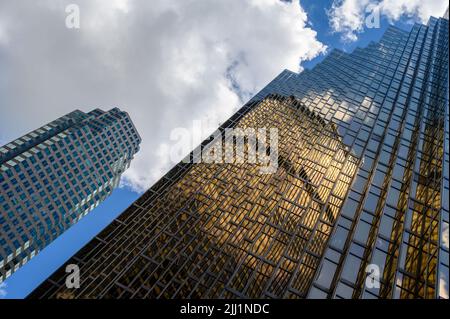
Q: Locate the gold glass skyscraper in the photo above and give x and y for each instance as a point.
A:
(360, 192)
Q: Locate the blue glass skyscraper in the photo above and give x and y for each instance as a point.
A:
(53, 176)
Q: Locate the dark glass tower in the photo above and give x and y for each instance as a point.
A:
(53, 176)
(362, 184)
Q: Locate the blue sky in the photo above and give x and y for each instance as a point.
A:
(320, 22)
(46, 262)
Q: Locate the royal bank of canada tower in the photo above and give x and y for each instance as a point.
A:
(362, 184)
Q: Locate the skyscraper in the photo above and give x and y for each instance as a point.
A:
(357, 207)
(53, 176)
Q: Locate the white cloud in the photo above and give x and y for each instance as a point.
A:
(348, 16)
(167, 63)
(3, 38)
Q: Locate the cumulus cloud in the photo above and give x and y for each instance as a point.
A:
(348, 16)
(167, 63)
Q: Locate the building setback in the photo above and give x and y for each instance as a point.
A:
(362, 187)
(53, 176)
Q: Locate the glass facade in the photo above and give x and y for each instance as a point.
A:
(53, 176)
(362, 183)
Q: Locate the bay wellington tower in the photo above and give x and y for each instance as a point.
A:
(53, 176)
